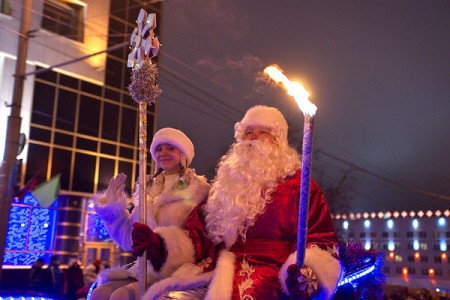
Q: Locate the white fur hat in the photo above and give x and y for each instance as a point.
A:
(264, 116)
(176, 138)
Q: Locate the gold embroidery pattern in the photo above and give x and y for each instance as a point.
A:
(332, 250)
(308, 282)
(204, 264)
(246, 272)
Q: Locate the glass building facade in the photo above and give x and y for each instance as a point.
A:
(86, 132)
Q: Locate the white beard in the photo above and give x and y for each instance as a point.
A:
(246, 177)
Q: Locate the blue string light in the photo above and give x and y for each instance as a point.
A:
(31, 231)
(357, 275)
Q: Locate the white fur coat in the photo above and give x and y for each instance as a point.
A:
(163, 209)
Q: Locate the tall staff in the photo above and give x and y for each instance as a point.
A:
(144, 89)
(301, 96)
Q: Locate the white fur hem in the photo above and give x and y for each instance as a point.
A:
(325, 267)
(189, 277)
(179, 249)
(170, 284)
(221, 286)
(114, 273)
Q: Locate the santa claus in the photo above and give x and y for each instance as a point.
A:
(241, 243)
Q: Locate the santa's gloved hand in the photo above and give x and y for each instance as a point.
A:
(144, 239)
(302, 283)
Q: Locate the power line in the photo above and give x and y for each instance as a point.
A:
(199, 99)
(196, 109)
(180, 62)
(395, 182)
(334, 145)
(224, 104)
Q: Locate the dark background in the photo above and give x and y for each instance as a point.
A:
(379, 72)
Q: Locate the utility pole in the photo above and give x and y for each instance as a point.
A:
(13, 128)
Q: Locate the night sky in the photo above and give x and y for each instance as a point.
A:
(378, 71)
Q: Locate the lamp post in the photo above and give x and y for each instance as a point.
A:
(13, 128)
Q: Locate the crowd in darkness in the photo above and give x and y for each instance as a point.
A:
(405, 293)
(71, 284)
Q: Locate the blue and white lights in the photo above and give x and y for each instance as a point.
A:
(390, 224)
(345, 225)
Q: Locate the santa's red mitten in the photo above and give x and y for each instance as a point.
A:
(144, 239)
(302, 283)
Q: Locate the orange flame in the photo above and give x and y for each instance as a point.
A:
(293, 88)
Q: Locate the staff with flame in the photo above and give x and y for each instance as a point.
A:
(301, 96)
(144, 89)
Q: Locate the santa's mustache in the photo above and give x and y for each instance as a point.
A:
(255, 148)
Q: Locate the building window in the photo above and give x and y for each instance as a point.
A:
(411, 271)
(447, 234)
(362, 234)
(64, 18)
(424, 271)
(373, 234)
(398, 270)
(410, 234)
(437, 259)
(385, 234)
(397, 234)
(423, 246)
(424, 259)
(386, 270)
(5, 7)
(410, 258)
(423, 234)
(438, 272)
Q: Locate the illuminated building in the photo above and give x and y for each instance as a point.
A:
(415, 244)
(78, 118)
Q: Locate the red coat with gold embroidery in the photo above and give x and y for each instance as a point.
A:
(256, 269)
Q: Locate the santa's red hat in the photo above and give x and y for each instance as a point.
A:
(176, 138)
(263, 116)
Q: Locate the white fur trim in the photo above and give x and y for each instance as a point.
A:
(114, 273)
(177, 284)
(221, 287)
(179, 248)
(109, 207)
(152, 275)
(176, 138)
(173, 208)
(263, 116)
(325, 267)
(121, 273)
